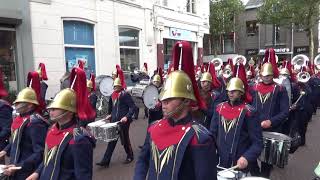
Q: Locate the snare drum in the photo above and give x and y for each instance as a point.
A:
(254, 178)
(110, 132)
(276, 149)
(226, 175)
(94, 128)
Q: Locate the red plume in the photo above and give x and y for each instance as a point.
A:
(271, 58)
(215, 82)
(145, 66)
(170, 68)
(230, 62)
(81, 64)
(42, 67)
(33, 81)
(251, 68)
(121, 76)
(239, 71)
(3, 91)
(78, 82)
(187, 66)
(160, 72)
(93, 80)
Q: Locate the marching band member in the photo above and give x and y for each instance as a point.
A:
(121, 109)
(177, 147)
(68, 149)
(5, 117)
(251, 75)
(210, 86)
(156, 113)
(271, 101)
(43, 77)
(235, 126)
(28, 132)
(226, 76)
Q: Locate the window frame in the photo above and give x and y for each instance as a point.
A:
(139, 48)
(65, 45)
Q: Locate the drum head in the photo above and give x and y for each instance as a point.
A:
(276, 136)
(150, 96)
(106, 86)
(107, 125)
(253, 178)
(226, 174)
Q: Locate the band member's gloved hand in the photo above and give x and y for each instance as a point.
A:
(33, 176)
(266, 124)
(9, 170)
(2, 153)
(124, 120)
(293, 107)
(242, 163)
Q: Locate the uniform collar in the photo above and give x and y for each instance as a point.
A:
(181, 121)
(236, 103)
(66, 125)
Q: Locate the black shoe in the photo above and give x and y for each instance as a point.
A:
(103, 164)
(128, 161)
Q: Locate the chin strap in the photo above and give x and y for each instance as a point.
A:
(60, 116)
(177, 110)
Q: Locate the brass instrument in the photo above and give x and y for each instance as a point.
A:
(303, 77)
(239, 59)
(299, 61)
(302, 93)
(227, 72)
(217, 63)
(316, 62)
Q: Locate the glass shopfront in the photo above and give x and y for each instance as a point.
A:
(8, 60)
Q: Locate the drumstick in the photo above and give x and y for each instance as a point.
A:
(15, 168)
(229, 169)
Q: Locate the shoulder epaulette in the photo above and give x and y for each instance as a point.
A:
(202, 133)
(79, 133)
(34, 118)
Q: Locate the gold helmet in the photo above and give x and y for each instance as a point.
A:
(66, 100)
(266, 69)
(178, 85)
(89, 84)
(284, 71)
(117, 82)
(235, 84)
(27, 95)
(206, 76)
(156, 78)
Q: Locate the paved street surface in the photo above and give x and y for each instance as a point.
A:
(301, 164)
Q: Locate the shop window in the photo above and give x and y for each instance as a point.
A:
(79, 45)
(129, 49)
(8, 60)
(191, 6)
(252, 28)
(228, 43)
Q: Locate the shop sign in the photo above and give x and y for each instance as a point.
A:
(180, 34)
(277, 50)
(252, 51)
(301, 49)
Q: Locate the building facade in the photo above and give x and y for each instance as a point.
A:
(104, 33)
(255, 38)
(251, 39)
(16, 57)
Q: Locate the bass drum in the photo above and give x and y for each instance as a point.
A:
(150, 96)
(105, 84)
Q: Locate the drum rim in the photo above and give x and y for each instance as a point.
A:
(286, 138)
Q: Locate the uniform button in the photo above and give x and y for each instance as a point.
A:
(159, 124)
(183, 128)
